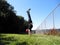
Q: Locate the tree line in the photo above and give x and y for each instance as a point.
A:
(9, 21)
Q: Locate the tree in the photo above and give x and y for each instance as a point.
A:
(9, 21)
(7, 18)
(23, 25)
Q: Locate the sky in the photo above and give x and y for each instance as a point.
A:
(39, 9)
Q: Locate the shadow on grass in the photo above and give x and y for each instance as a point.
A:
(4, 43)
(6, 40)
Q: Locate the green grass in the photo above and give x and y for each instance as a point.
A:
(18, 39)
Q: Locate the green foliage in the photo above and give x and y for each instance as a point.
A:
(9, 21)
(18, 39)
(23, 25)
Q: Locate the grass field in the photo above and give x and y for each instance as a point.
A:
(19, 39)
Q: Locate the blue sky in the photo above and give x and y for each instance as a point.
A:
(39, 9)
